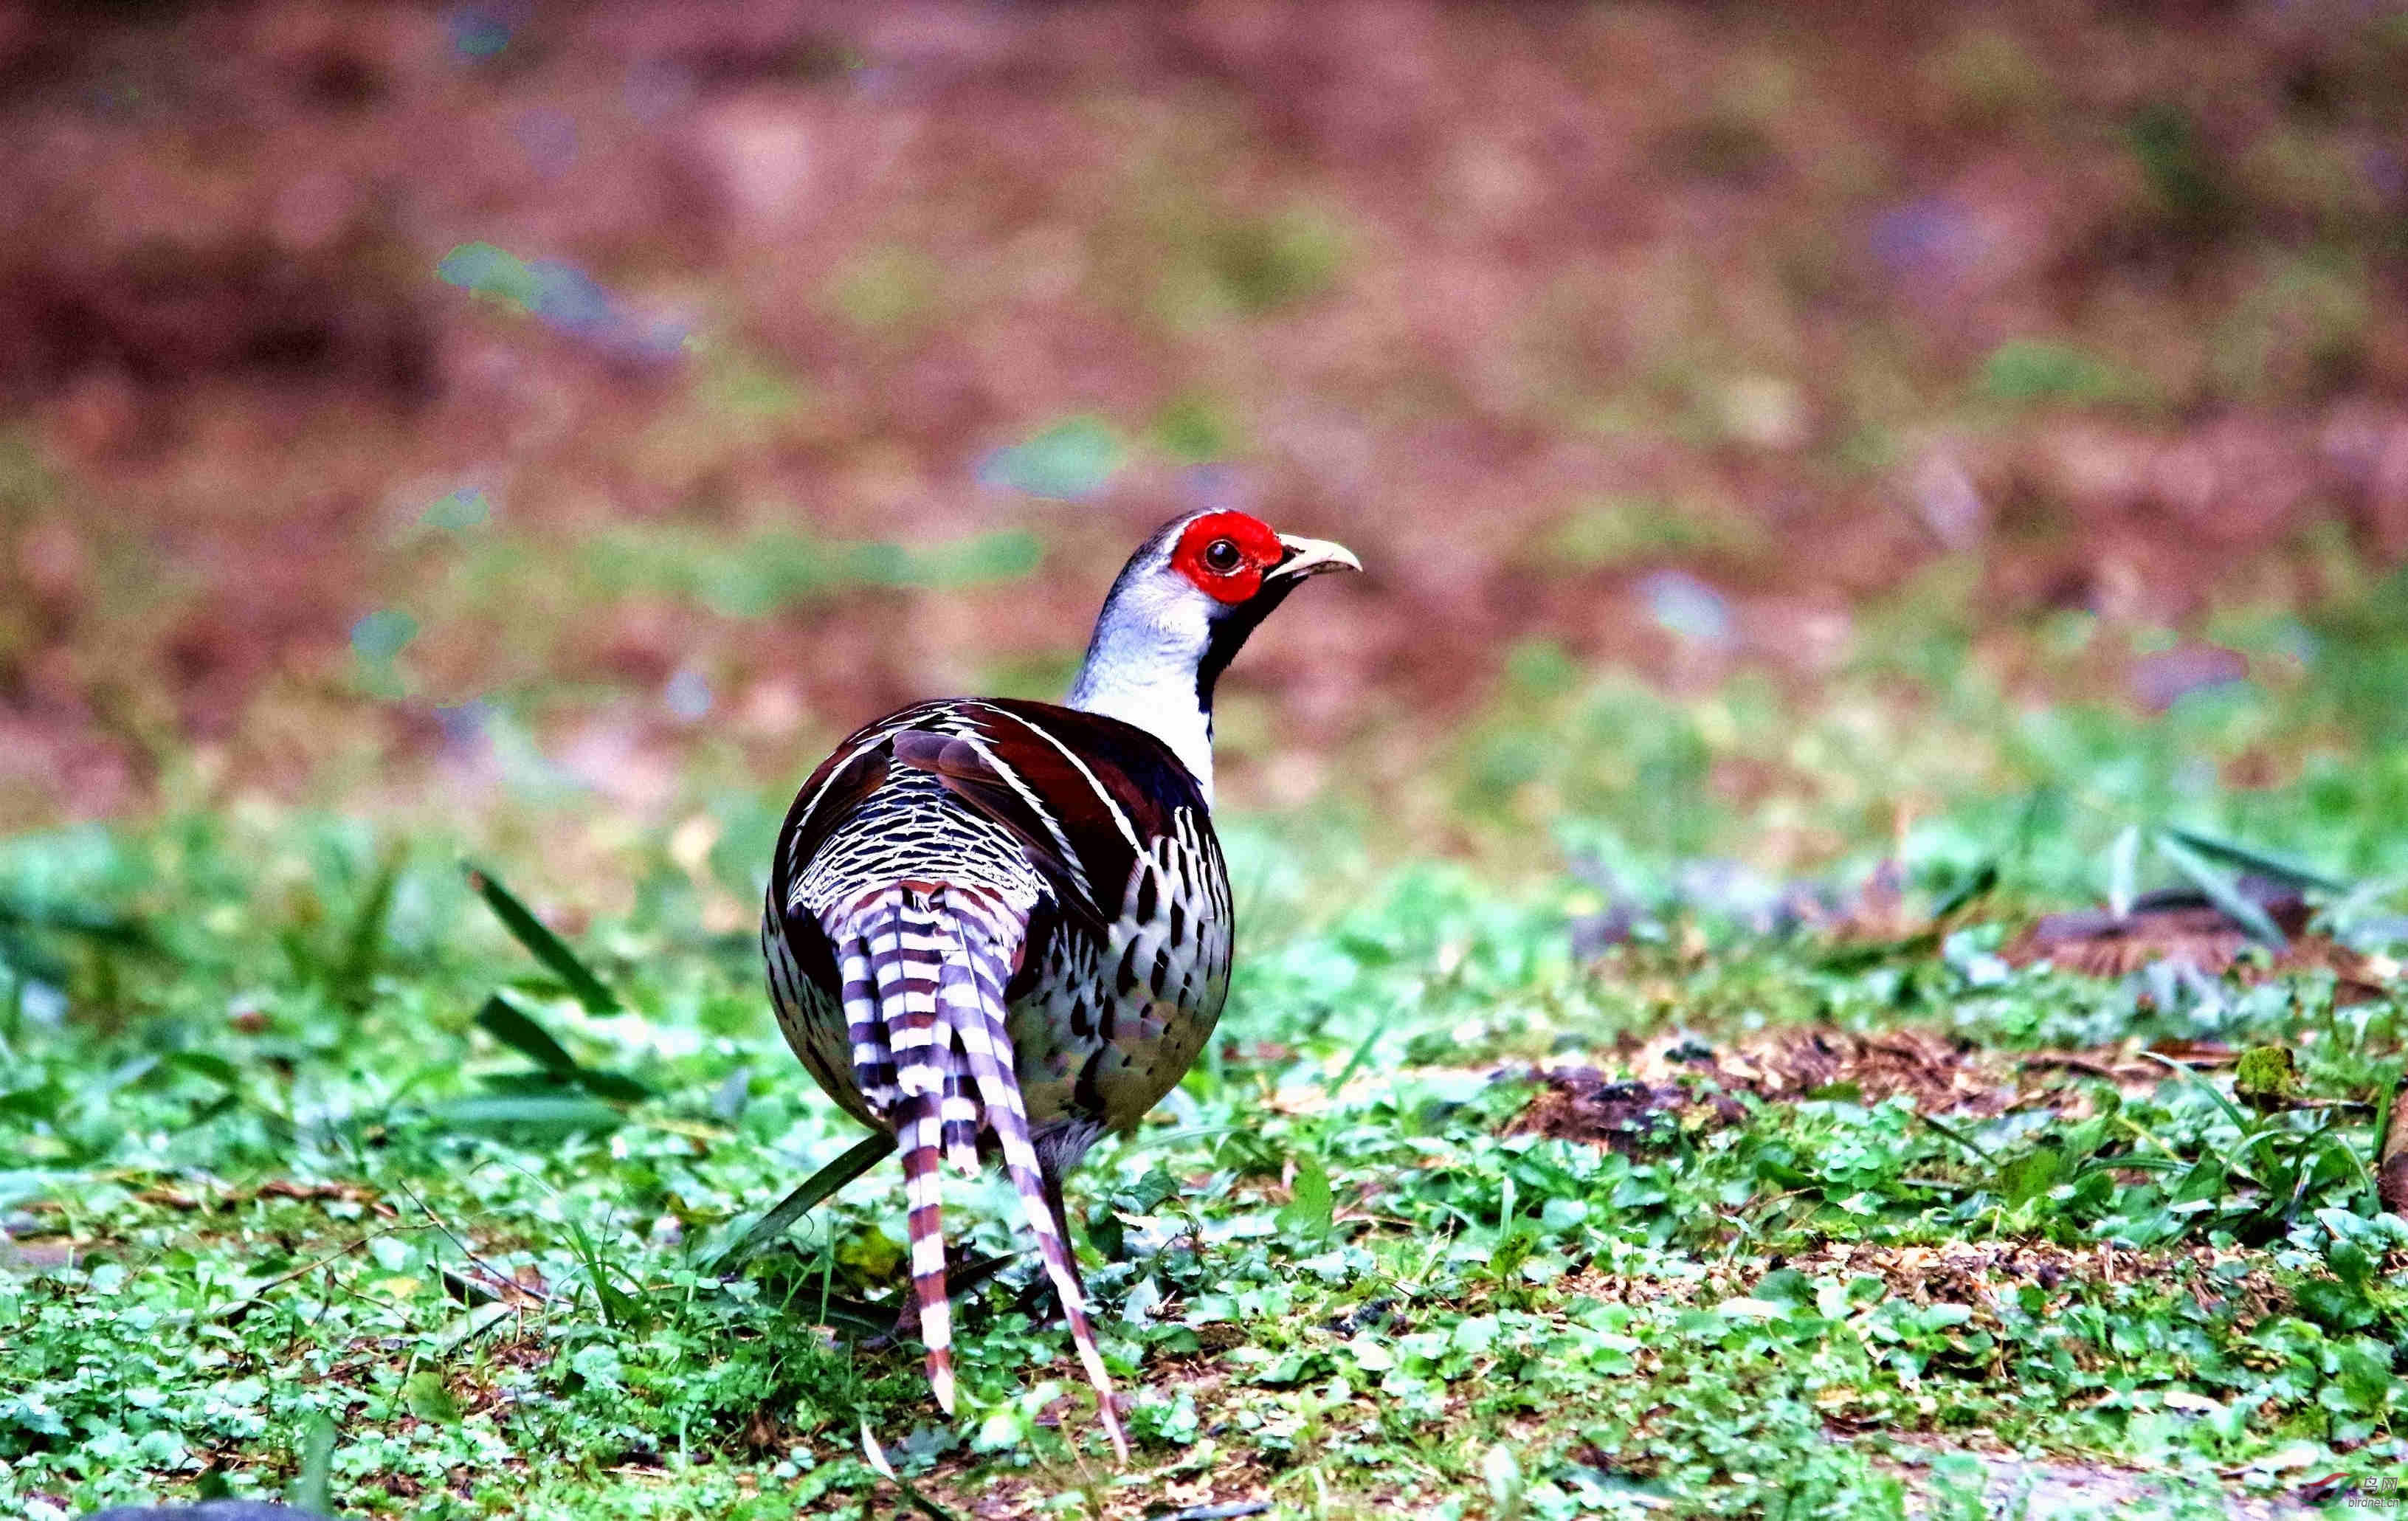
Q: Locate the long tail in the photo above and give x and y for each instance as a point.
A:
(923, 972)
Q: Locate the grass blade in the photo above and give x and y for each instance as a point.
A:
(2249, 858)
(541, 943)
(551, 1115)
(818, 1186)
(74, 919)
(514, 1028)
(2391, 1150)
(509, 1024)
(921, 1503)
(2190, 1073)
(364, 940)
(316, 1478)
(619, 1308)
(1975, 888)
(878, 1463)
(1354, 1063)
(2229, 899)
(612, 1085)
(1959, 1138)
(2123, 868)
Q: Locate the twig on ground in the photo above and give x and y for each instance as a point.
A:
(260, 1292)
(532, 1291)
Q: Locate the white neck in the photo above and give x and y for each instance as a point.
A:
(1144, 672)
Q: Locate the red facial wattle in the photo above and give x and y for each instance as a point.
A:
(1230, 581)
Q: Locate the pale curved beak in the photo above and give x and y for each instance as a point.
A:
(1312, 556)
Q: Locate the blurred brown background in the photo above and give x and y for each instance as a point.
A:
(409, 405)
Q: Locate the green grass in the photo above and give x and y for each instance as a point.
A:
(299, 1143)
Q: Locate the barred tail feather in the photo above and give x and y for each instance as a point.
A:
(873, 1061)
(927, 1227)
(923, 972)
(905, 942)
(972, 984)
(959, 1110)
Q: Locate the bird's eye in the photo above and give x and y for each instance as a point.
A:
(1221, 555)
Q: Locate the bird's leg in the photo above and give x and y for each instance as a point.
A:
(1038, 1301)
(960, 1279)
(1053, 1179)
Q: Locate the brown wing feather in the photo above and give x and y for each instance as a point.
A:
(967, 776)
(841, 784)
(833, 791)
(1136, 770)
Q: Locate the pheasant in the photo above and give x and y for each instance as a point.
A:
(1002, 929)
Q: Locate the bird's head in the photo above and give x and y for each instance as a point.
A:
(1182, 608)
(1237, 562)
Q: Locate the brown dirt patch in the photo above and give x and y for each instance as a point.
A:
(1675, 1084)
(2019, 1485)
(1197, 1484)
(1975, 1273)
(2099, 943)
(1941, 1076)
(1671, 1083)
(1580, 1103)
